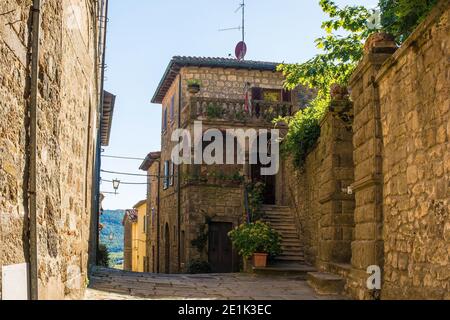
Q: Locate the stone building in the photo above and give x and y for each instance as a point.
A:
(50, 106)
(129, 218)
(199, 204)
(139, 238)
(151, 165)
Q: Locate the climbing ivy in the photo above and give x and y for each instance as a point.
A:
(335, 64)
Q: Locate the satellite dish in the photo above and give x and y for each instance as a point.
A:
(241, 50)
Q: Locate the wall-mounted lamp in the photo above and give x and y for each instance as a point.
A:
(116, 184)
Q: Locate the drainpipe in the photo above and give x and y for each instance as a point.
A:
(180, 96)
(158, 228)
(103, 22)
(32, 185)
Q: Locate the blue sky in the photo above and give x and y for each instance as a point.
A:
(143, 35)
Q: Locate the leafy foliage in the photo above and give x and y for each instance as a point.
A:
(112, 224)
(255, 193)
(103, 256)
(335, 64)
(256, 237)
(338, 59)
(304, 130)
(194, 82)
(214, 111)
(401, 17)
(198, 267)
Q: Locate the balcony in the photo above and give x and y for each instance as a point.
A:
(229, 110)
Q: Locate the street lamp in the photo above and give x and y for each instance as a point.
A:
(116, 184)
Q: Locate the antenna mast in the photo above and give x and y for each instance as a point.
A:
(243, 20)
(241, 48)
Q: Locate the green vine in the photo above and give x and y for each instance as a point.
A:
(255, 193)
(202, 239)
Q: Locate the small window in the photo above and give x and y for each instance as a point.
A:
(171, 173)
(172, 108)
(166, 175)
(164, 127)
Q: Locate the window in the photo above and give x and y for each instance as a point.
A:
(271, 95)
(164, 125)
(172, 108)
(145, 224)
(171, 173)
(166, 175)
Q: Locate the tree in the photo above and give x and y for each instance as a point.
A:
(103, 256)
(335, 64)
(401, 17)
(342, 48)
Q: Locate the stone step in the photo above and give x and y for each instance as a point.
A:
(280, 220)
(300, 270)
(291, 252)
(290, 258)
(326, 283)
(285, 229)
(275, 208)
(289, 247)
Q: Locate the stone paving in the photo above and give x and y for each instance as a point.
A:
(107, 284)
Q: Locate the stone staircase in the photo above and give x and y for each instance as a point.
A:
(282, 221)
(292, 260)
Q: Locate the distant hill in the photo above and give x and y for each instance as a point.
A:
(112, 225)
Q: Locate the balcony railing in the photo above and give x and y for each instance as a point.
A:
(215, 109)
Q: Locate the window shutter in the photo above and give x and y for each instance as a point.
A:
(165, 119)
(166, 175)
(172, 108)
(171, 173)
(256, 93)
(287, 95)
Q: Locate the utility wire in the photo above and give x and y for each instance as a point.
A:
(124, 158)
(125, 183)
(128, 174)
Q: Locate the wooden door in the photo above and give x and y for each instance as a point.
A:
(167, 249)
(269, 182)
(220, 250)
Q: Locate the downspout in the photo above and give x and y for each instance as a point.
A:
(103, 18)
(32, 184)
(158, 228)
(180, 96)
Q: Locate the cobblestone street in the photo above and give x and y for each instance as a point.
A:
(109, 284)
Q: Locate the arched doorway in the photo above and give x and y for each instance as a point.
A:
(167, 249)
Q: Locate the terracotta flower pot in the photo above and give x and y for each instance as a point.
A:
(194, 88)
(260, 260)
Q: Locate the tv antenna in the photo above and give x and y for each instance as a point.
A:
(241, 48)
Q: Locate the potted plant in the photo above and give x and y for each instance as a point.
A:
(193, 86)
(257, 240)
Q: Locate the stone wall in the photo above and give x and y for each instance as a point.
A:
(127, 244)
(68, 95)
(401, 141)
(209, 203)
(414, 92)
(323, 212)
